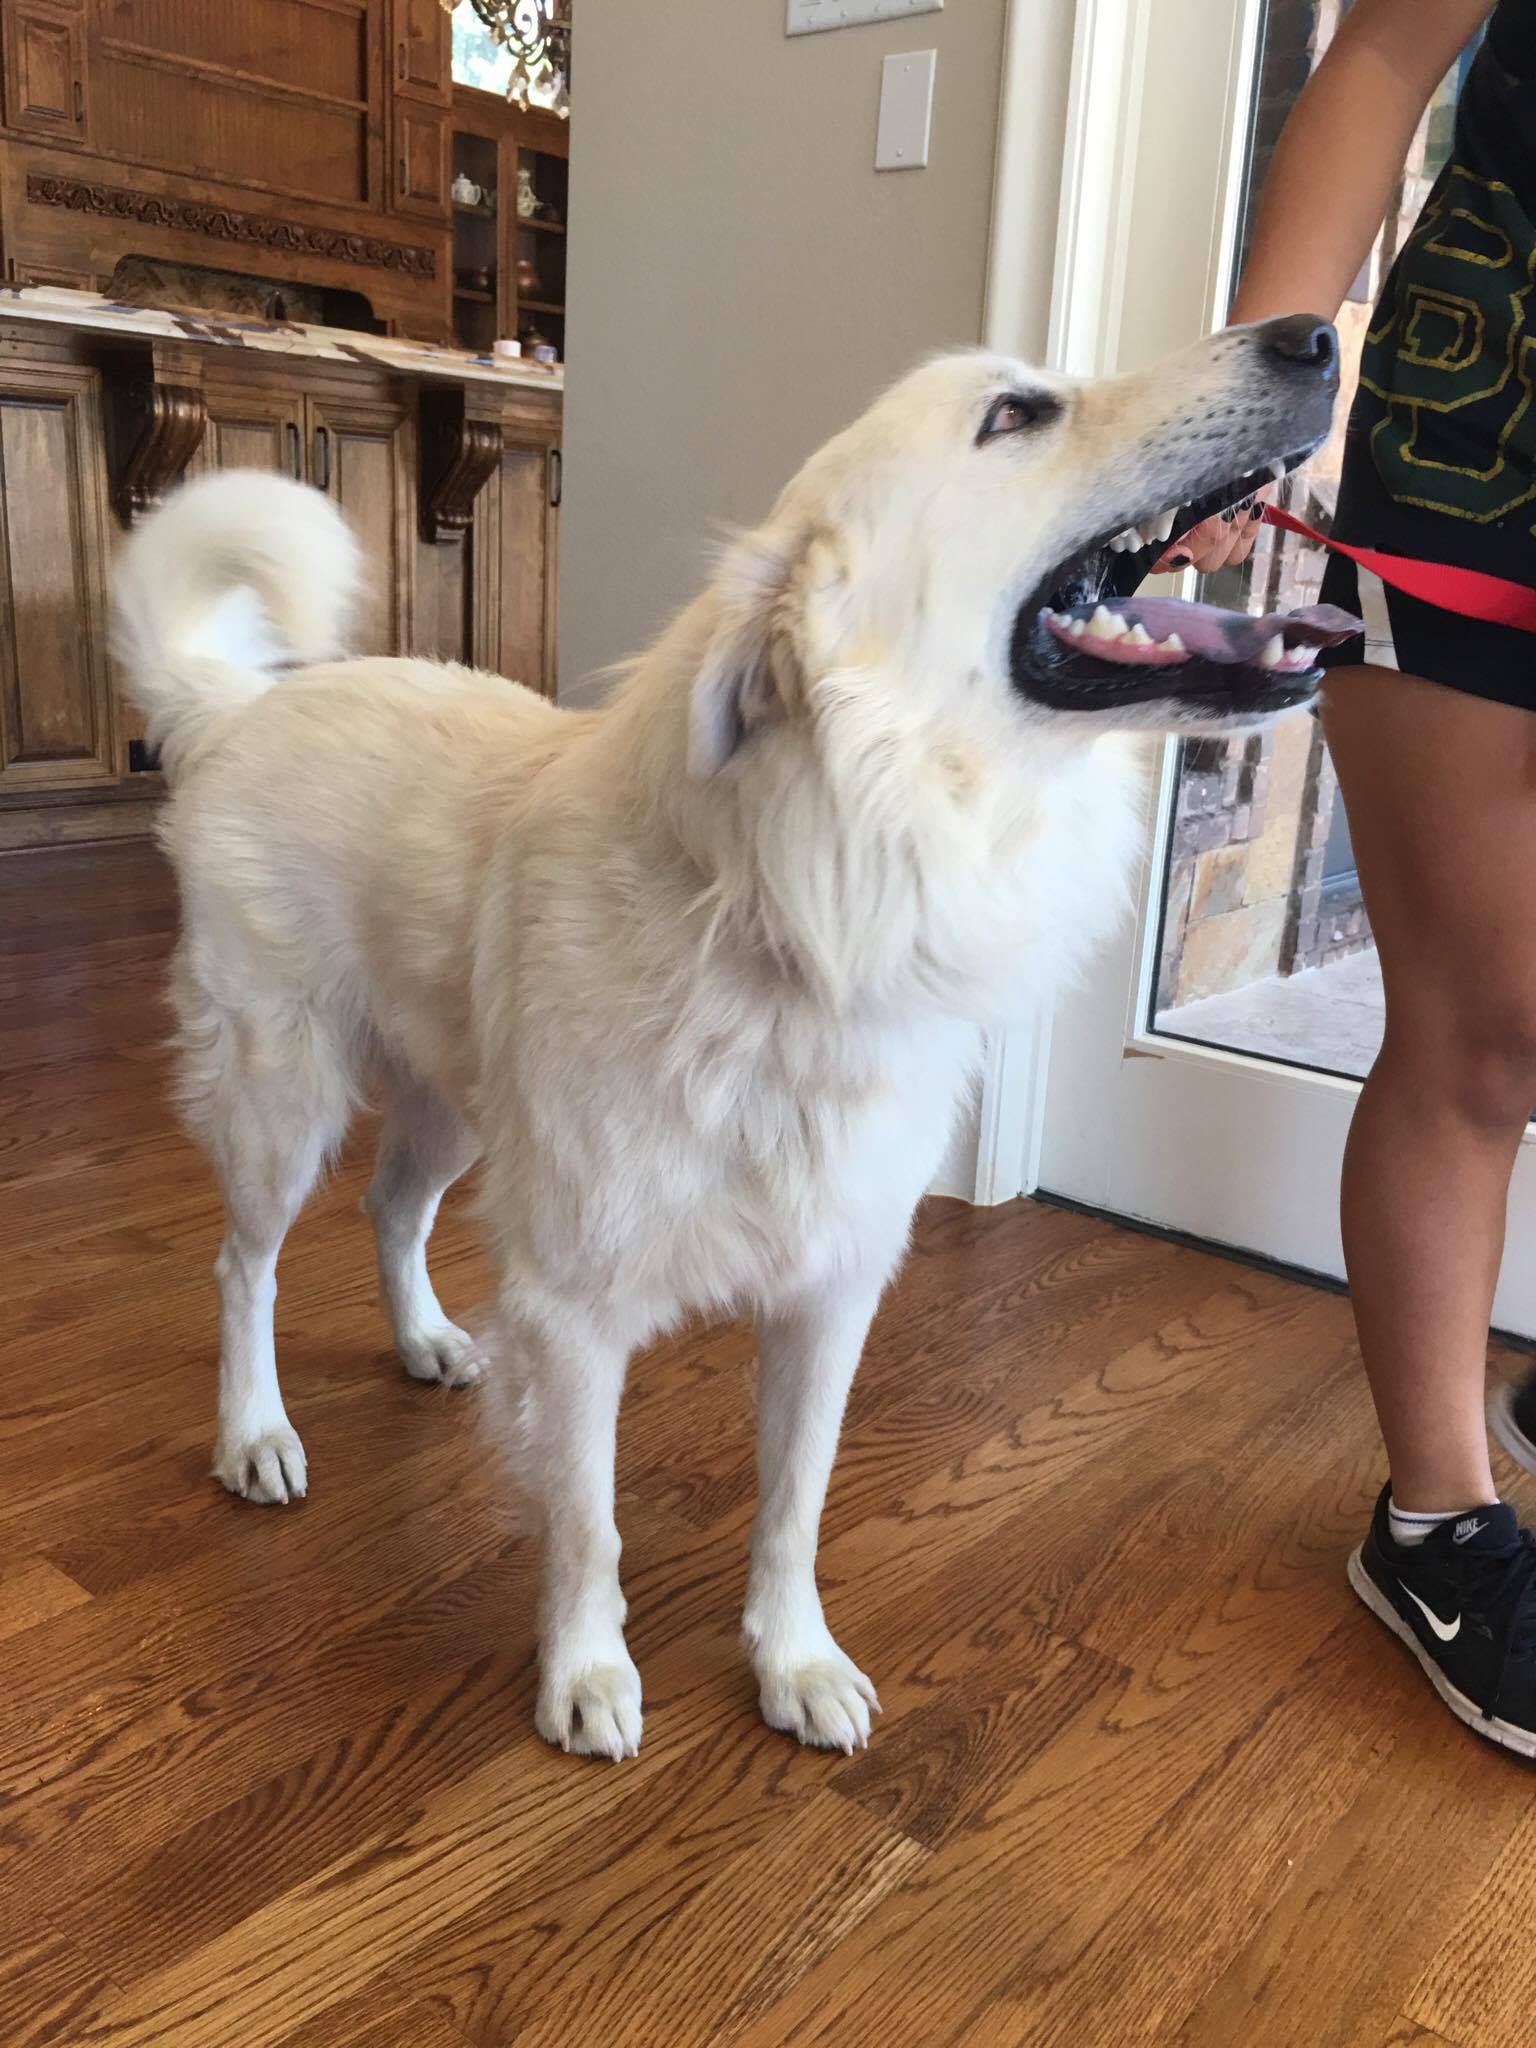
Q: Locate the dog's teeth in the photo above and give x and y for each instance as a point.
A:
(1151, 532)
(1138, 636)
(1105, 626)
(1127, 541)
(1173, 645)
(1273, 654)
(1076, 628)
(1277, 469)
(1301, 656)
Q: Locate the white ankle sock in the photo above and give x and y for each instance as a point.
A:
(1412, 1529)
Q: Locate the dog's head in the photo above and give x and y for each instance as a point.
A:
(962, 542)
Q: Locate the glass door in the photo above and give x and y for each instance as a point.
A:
(1265, 947)
(1227, 1034)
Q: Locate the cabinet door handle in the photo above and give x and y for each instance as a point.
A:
(403, 183)
(402, 61)
(556, 476)
(295, 450)
(79, 99)
(323, 458)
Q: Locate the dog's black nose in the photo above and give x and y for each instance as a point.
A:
(1301, 339)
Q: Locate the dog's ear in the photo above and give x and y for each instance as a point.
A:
(749, 673)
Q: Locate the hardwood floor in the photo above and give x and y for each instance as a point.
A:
(1146, 1771)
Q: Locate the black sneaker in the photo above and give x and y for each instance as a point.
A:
(1512, 1418)
(1464, 1601)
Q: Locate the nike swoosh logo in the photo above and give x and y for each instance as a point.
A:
(1465, 1531)
(1447, 1631)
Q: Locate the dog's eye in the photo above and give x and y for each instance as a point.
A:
(1014, 412)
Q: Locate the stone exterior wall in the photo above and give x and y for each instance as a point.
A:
(1245, 894)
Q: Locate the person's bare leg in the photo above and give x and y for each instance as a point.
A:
(1441, 794)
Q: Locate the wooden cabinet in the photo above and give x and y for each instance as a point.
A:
(509, 268)
(515, 537)
(449, 484)
(363, 453)
(421, 159)
(272, 96)
(304, 148)
(45, 71)
(421, 61)
(360, 449)
(249, 427)
(421, 49)
(56, 714)
(302, 142)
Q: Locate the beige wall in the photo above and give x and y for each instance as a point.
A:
(742, 279)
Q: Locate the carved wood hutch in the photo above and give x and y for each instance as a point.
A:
(230, 239)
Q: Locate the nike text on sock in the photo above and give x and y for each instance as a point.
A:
(1411, 1529)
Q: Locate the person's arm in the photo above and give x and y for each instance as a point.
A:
(1334, 169)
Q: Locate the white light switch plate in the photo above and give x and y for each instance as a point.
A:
(805, 17)
(906, 110)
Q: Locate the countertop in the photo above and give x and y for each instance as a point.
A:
(55, 305)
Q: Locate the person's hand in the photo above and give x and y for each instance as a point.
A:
(1220, 542)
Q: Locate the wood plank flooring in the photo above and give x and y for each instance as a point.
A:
(1146, 1771)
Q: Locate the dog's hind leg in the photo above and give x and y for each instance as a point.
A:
(270, 1097)
(423, 1149)
(808, 1352)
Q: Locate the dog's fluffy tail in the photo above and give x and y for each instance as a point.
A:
(235, 577)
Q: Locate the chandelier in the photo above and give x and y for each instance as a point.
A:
(538, 35)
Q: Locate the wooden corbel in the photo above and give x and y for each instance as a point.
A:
(460, 448)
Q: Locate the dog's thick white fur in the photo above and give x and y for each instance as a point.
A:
(698, 973)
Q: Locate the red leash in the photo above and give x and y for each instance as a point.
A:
(1470, 592)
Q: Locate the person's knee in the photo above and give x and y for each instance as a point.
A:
(1483, 1070)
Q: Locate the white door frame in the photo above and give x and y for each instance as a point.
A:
(1099, 170)
(1226, 1146)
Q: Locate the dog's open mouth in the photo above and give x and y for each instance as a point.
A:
(1112, 640)
(1078, 644)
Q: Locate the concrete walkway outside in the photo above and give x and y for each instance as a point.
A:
(1327, 1017)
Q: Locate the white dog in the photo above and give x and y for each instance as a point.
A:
(698, 973)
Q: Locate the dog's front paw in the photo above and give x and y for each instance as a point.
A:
(442, 1352)
(268, 1467)
(594, 1711)
(821, 1697)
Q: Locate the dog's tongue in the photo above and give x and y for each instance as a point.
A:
(1160, 632)
(1237, 636)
